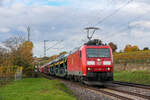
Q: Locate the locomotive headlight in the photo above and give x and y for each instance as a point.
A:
(89, 69)
(90, 62)
(108, 69)
(106, 62)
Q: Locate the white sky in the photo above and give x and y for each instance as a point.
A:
(66, 19)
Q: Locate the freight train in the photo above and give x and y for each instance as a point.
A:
(92, 63)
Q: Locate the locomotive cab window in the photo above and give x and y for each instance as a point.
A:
(98, 52)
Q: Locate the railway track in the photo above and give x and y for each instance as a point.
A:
(114, 95)
(132, 85)
(120, 94)
(110, 91)
(131, 93)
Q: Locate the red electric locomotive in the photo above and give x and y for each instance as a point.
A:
(93, 62)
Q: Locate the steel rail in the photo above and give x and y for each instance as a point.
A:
(130, 93)
(110, 94)
(132, 84)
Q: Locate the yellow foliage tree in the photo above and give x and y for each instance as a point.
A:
(23, 57)
(130, 48)
(25, 51)
(135, 48)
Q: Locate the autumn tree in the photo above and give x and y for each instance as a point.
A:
(113, 46)
(13, 43)
(4, 57)
(135, 48)
(129, 48)
(21, 52)
(25, 52)
(25, 57)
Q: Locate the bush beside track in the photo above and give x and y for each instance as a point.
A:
(36, 89)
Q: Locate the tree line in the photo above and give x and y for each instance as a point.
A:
(127, 48)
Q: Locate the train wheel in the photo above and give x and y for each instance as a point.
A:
(76, 78)
(70, 77)
(82, 79)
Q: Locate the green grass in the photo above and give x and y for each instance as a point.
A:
(141, 77)
(36, 89)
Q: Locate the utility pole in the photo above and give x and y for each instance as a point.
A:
(45, 47)
(28, 29)
(91, 30)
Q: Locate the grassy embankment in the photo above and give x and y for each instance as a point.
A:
(136, 58)
(141, 77)
(35, 89)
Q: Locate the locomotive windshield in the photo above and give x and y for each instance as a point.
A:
(98, 52)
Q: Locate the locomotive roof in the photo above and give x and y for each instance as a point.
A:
(95, 42)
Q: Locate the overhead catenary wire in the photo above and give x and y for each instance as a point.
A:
(100, 12)
(125, 26)
(57, 48)
(45, 48)
(55, 44)
(113, 13)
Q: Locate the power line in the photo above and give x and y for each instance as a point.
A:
(58, 48)
(99, 13)
(55, 44)
(116, 11)
(125, 28)
(45, 50)
(45, 47)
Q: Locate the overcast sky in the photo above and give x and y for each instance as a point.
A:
(120, 21)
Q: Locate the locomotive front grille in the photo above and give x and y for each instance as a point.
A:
(100, 76)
